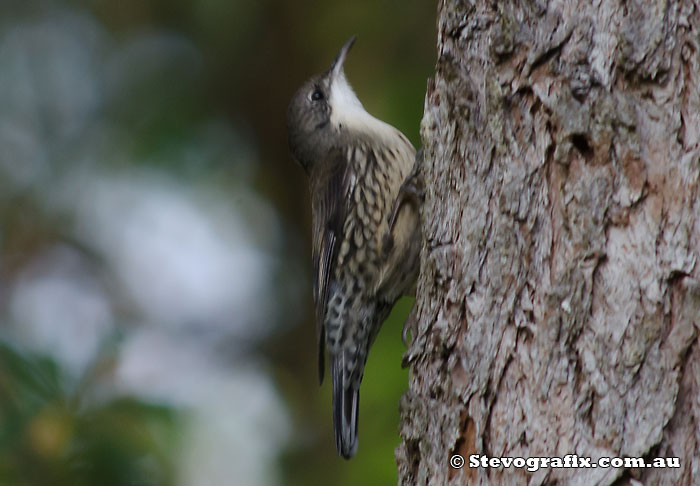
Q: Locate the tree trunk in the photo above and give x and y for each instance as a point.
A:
(558, 303)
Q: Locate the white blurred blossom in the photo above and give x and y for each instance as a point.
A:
(60, 309)
(236, 416)
(179, 260)
(186, 264)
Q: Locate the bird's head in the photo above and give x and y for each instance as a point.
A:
(319, 110)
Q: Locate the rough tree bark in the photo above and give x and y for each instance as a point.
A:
(559, 298)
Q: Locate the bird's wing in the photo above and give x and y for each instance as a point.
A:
(401, 242)
(331, 189)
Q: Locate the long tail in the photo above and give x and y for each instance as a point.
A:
(346, 403)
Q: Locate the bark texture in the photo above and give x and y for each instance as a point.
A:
(559, 298)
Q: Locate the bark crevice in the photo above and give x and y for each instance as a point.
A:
(557, 306)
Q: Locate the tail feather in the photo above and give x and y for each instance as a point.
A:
(346, 403)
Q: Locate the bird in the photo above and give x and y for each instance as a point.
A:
(365, 236)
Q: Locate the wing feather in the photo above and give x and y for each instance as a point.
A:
(401, 242)
(331, 191)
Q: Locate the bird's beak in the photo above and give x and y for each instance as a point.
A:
(337, 66)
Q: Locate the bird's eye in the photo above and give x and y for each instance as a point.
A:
(316, 95)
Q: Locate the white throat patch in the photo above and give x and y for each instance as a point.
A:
(347, 111)
(344, 102)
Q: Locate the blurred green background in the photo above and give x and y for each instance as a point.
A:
(155, 300)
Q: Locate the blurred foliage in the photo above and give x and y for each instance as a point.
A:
(236, 63)
(48, 436)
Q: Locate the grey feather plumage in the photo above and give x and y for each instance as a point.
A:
(365, 254)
